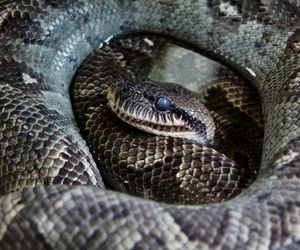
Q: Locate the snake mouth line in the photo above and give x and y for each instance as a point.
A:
(147, 120)
(154, 127)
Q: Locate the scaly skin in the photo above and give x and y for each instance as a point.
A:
(154, 166)
(42, 44)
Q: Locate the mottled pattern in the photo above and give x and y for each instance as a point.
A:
(157, 167)
(42, 43)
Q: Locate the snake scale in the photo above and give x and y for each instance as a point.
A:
(179, 159)
(42, 44)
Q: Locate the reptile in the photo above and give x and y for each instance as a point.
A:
(53, 196)
(179, 159)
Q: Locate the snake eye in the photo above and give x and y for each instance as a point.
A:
(162, 103)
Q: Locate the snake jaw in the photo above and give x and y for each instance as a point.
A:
(192, 122)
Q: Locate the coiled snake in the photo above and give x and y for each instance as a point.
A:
(42, 45)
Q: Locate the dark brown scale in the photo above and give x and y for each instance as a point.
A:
(239, 107)
(156, 167)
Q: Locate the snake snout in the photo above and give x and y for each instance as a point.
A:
(170, 111)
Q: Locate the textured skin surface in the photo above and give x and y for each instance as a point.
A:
(43, 42)
(161, 168)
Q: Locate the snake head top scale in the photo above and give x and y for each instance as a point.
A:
(166, 109)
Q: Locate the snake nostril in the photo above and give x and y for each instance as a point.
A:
(126, 91)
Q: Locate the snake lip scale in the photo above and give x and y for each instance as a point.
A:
(193, 122)
(52, 195)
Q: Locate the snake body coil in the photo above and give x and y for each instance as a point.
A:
(43, 43)
(175, 161)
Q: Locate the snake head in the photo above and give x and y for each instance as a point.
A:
(166, 109)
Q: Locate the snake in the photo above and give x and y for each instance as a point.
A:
(178, 162)
(52, 195)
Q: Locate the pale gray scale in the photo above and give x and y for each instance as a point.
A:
(138, 110)
(151, 114)
(257, 44)
(127, 105)
(163, 118)
(145, 112)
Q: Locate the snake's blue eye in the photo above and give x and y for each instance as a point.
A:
(162, 103)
